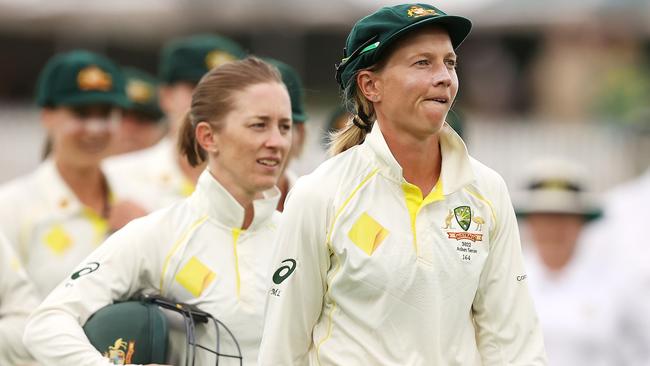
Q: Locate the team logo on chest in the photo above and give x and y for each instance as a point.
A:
(459, 223)
(464, 218)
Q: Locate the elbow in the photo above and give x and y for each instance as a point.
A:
(36, 332)
(30, 333)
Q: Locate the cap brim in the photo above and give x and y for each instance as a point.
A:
(457, 27)
(299, 117)
(96, 98)
(582, 204)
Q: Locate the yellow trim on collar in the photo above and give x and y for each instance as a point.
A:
(415, 202)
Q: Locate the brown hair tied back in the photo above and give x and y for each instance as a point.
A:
(212, 100)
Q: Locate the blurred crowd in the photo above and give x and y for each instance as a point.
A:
(111, 156)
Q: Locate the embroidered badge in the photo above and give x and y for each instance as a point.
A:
(416, 11)
(467, 239)
(121, 352)
(463, 216)
(94, 78)
(139, 91)
(217, 58)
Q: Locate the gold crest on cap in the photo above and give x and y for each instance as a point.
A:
(418, 11)
(139, 91)
(94, 78)
(217, 58)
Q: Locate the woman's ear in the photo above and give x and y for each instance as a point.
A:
(48, 118)
(206, 138)
(370, 85)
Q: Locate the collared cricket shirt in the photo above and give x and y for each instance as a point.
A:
(192, 252)
(368, 271)
(49, 227)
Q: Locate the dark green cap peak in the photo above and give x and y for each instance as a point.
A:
(292, 80)
(188, 59)
(372, 35)
(80, 77)
(142, 92)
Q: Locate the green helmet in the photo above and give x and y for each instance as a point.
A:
(137, 332)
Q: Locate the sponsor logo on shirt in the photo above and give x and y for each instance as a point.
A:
(88, 269)
(284, 271)
(281, 274)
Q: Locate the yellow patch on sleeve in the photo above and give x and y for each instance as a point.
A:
(195, 276)
(367, 233)
(58, 240)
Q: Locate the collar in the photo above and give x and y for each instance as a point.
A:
(59, 197)
(213, 199)
(456, 170)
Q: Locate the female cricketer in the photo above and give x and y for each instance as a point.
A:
(212, 249)
(401, 250)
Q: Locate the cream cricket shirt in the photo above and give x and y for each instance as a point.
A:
(17, 299)
(150, 177)
(51, 230)
(192, 252)
(368, 272)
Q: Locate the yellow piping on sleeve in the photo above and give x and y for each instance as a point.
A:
(338, 262)
(235, 235)
(175, 247)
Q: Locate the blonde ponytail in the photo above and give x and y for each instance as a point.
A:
(357, 127)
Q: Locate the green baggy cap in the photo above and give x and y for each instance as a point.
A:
(292, 80)
(132, 332)
(188, 59)
(372, 35)
(79, 78)
(142, 91)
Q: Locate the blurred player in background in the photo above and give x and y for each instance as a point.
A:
(141, 125)
(291, 79)
(62, 211)
(160, 175)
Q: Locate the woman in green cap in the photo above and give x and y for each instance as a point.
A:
(160, 175)
(58, 214)
(401, 249)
